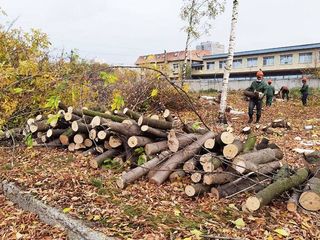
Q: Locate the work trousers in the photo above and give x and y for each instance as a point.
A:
(255, 103)
(304, 98)
(269, 100)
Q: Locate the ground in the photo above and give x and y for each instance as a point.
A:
(145, 211)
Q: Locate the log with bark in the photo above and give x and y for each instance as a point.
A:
(115, 141)
(265, 196)
(156, 147)
(138, 141)
(160, 124)
(131, 114)
(219, 178)
(103, 115)
(176, 143)
(250, 143)
(230, 151)
(264, 143)
(224, 138)
(191, 165)
(310, 198)
(293, 202)
(179, 158)
(139, 171)
(98, 161)
(196, 177)
(167, 115)
(196, 189)
(251, 161)
(66, 136)
(189, 128)
(153, 131)
(280, 123)
(239, 185)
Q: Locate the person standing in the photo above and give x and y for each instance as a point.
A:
(258, 89)
(270, 93)
(304, 91)
(284, 92)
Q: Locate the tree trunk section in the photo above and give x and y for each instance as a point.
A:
(103, 115)
(249, 144)
(138, 172)
(218, 178)
(230, 151)
(196, 189)
(179, 158)
(98, 161)
(136, 141)
(265, 196)
(293, 202)
(245, 184)
(153, 131)
(131, 114)
(155, 123)
(249, 161)
(228, 67)
(310, 198)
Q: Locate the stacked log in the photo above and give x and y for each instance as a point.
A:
(158, 148)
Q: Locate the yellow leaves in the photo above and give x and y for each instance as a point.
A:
(177, 212)
(282, 232)
(19, 236)
(66, 210)
(118, 101)
(154, 92)
(186, 87)
(239, 223)
(27, 67)
(196, 233)
(108, 78)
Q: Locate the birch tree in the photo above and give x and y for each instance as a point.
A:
(197, 15)
(228, 66)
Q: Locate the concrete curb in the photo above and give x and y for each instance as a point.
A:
(76, 229)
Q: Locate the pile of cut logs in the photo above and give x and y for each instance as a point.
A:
(219, 163)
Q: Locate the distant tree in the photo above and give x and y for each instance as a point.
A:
(197, 15)
(228, 66)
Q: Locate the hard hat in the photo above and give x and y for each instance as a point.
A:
(259, 74)
(304, 79)
(269, 81)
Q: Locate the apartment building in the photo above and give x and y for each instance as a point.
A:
(172, 62)
(277, 63)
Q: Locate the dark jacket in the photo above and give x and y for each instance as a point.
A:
(270, 90)
(304, 89)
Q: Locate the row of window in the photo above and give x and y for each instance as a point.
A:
(267, 61)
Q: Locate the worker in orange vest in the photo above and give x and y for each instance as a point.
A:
(259, 89)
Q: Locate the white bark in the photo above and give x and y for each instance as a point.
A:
(228, 67)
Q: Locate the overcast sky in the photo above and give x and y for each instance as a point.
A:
(119, 31)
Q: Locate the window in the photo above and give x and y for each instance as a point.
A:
(175, 66)
(252, 62)
(268, 61)
(305, 57)
(197, 68)
(286, 59)
(222, 64)
(210, 65)
(237, 63)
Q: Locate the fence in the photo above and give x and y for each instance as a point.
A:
(208, 84)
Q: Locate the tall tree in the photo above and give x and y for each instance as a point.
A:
(228, 66)
(197, 15)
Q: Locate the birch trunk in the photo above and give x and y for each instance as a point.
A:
(228, 67)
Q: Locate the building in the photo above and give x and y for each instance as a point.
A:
(276, 63)
(172, 62)
(214, 47)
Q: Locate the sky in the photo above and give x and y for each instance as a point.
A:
(117, 32)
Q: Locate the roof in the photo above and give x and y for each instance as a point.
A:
(195, 55)
(266, 51)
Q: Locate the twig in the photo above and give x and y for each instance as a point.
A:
(222, 238)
